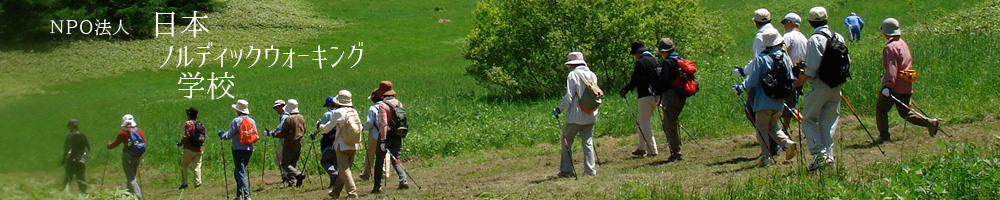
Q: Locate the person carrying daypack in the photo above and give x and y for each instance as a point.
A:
(577, 121)
(372, 143)
(771, 80)
(293, 128)
(243, 132)
(825, 56)
(897, 83)
(643, 81)
(135, 147)
(192, 140)
(679, 84)
(75, 156)
(389, 138)
(346, 144)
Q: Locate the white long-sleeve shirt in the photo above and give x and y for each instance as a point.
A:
(575, 87)
(796, 43)
(758, 47)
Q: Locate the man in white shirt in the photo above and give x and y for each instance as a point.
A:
(577, 121)
(795, 45)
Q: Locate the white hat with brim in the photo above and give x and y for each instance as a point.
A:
(772, 37)
(890, 27)
(277, 103)
(242, 106)
(292, 107)
(128, 121)
(343, 98)
(575, 58)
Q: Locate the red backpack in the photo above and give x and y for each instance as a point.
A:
(685, 77)
(248, 133)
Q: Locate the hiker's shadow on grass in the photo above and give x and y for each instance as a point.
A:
(869, 144)
(547, 179)
(734, 161)
(735, 170)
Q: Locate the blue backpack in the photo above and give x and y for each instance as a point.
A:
(136, 145)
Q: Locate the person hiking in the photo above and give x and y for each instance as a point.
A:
(192, 140)
(346, 144)
(795, 45)
(293, 128)
(767, 109)
(854, 25)
(642, 79)
(672, 98)
(130, 161)
(242, 148)
(896, 59)
(279, 107)
(762, 21)
(372, 143)
(578, 121)
(328, 157)
(391, 142)
(75, 156)
(821, 109)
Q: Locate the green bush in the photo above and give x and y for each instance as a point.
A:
(518, 47)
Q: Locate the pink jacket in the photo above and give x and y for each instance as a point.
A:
(896, 57)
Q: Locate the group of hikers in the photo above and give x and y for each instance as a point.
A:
(772, 81)
(340, 130)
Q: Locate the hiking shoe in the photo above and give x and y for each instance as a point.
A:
(363, 177)
(881, 140)
(298, 179)
(791, 151)
(674, 157)
(766, 161)
(818, 161)
(565, 175)
(933, 128)
(403, 185)
(377, 191)
(639, 152)
(183, 186)
(352, 195)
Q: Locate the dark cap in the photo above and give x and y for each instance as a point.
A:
(638, 47)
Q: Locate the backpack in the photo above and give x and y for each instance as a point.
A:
(397, 122)
(136, 144)
(198, 137)
(777, 83)
(590, 100)
(248, 133)
(352, 133)
(686, 83)
(835, 66)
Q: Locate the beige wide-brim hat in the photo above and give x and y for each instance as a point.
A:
(772, 37)
(890, 27)
(292, 107)
(575, 58)
(277, 103)
(242, 106)
(343, 98)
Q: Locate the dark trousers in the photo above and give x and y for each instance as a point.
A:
(672, 104)
(131, 166)
(241, 158)
(78, 170)
(884, 104)
(328, 160)
(394, 144)
(290, 161)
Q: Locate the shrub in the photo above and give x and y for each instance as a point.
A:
(518, 47)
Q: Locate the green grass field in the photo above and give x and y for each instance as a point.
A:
(97, 81)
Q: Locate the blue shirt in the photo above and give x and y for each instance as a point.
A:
(854, 20)
(281, 122)
(234, 133)
(762, 64)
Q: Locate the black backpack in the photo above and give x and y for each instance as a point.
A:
(777, 83)
(835, 66)
(198, 139)
(397, 122)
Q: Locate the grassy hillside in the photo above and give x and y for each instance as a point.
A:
(457, 125)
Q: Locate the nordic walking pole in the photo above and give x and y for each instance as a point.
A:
(635, 113)
(689, 135)
(222, 153)
(306, 163)
(565, 143)
(914, 111)
(862, 123)
(408, 174)
(798, 118)
(263, 162)
(104, 173)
